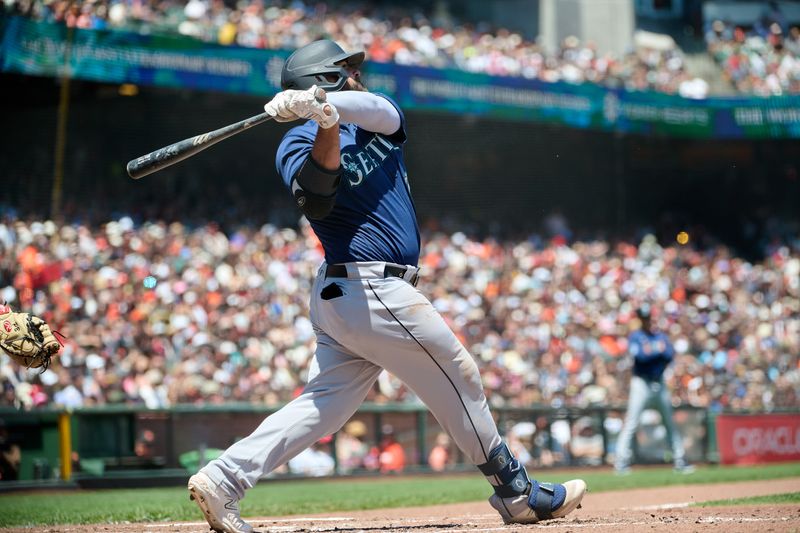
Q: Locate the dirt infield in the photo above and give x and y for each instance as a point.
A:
(660, 509)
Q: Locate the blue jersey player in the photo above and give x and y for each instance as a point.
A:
(652, 352)
(344, 167)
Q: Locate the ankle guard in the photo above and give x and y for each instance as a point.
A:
(505, 473)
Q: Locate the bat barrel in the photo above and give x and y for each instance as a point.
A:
(176, 152)
(163, 157)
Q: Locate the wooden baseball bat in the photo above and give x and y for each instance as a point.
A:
(175, 152)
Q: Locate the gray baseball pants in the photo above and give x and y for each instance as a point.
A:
(377, 322)
(642, 393)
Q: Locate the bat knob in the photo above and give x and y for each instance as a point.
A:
(320, 95)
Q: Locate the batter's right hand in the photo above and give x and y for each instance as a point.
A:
(314, 104)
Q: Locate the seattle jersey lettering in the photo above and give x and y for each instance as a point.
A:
(359, 163)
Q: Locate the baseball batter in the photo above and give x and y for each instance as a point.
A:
(344, 167)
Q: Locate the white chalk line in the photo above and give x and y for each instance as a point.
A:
(275, 520)
(549, 525)
(596, 525)
(659, 507)
(312, 519)
(714, 519)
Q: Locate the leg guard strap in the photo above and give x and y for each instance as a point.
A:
(541, 500)
(503, 467)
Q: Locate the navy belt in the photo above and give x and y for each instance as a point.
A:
(389, 271)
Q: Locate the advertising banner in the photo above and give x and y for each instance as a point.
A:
(37, 48)
(751, 439)
(42, 49)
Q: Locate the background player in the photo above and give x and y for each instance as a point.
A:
(652, 352)
(346, 173)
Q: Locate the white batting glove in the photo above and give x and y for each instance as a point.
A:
(278, 107)
(313, 104)
(310, 104)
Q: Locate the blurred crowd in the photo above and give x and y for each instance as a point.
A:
(159, 314)
(406, 35)
(763, 59)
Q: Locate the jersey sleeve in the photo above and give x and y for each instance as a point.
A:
(399, 137)
(293, 151)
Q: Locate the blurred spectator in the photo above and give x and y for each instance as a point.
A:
(586, 444)
(314, 461)
(561, 434)
(557, 226)
(612, 425)
(764, 59)
(392, 457)
(10, 455)
(518, 440)
(143, 447)
(544, 449)
(440, 456)
(372, 459)
(350, 447)
(408, 35)
(546, 323)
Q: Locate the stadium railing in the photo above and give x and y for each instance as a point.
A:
(127, 443)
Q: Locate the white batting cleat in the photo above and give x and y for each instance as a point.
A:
(623, 470)
(518, 510)
(682, 467)
(220, 510)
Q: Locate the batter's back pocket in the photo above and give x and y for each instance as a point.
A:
(331, 291)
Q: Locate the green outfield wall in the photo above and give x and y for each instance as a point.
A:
(125, 441)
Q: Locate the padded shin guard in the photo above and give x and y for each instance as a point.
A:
(505, 473)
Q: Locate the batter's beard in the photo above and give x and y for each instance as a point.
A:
(353, 84)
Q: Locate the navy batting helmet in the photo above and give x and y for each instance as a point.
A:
(320, 63)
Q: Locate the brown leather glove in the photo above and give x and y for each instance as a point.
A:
(27, 339)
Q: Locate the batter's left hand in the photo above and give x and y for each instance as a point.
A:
(310, 104)
(278, 107)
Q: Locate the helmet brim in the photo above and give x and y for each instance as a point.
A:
(353, 59)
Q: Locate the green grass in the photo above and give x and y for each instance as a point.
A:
(599, 481)
(319, 496)
(772, 499)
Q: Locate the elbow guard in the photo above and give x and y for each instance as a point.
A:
(314, 189)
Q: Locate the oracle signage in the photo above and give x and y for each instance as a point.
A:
(750, 439)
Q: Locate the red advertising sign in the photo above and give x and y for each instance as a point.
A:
(750, 439)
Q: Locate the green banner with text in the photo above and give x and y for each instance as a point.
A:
(43, 49)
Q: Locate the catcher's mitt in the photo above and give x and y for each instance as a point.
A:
(27, 339)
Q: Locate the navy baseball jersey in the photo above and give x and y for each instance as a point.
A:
(374, 217)
(651, 352)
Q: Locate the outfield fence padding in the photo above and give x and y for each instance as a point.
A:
(121, 440)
